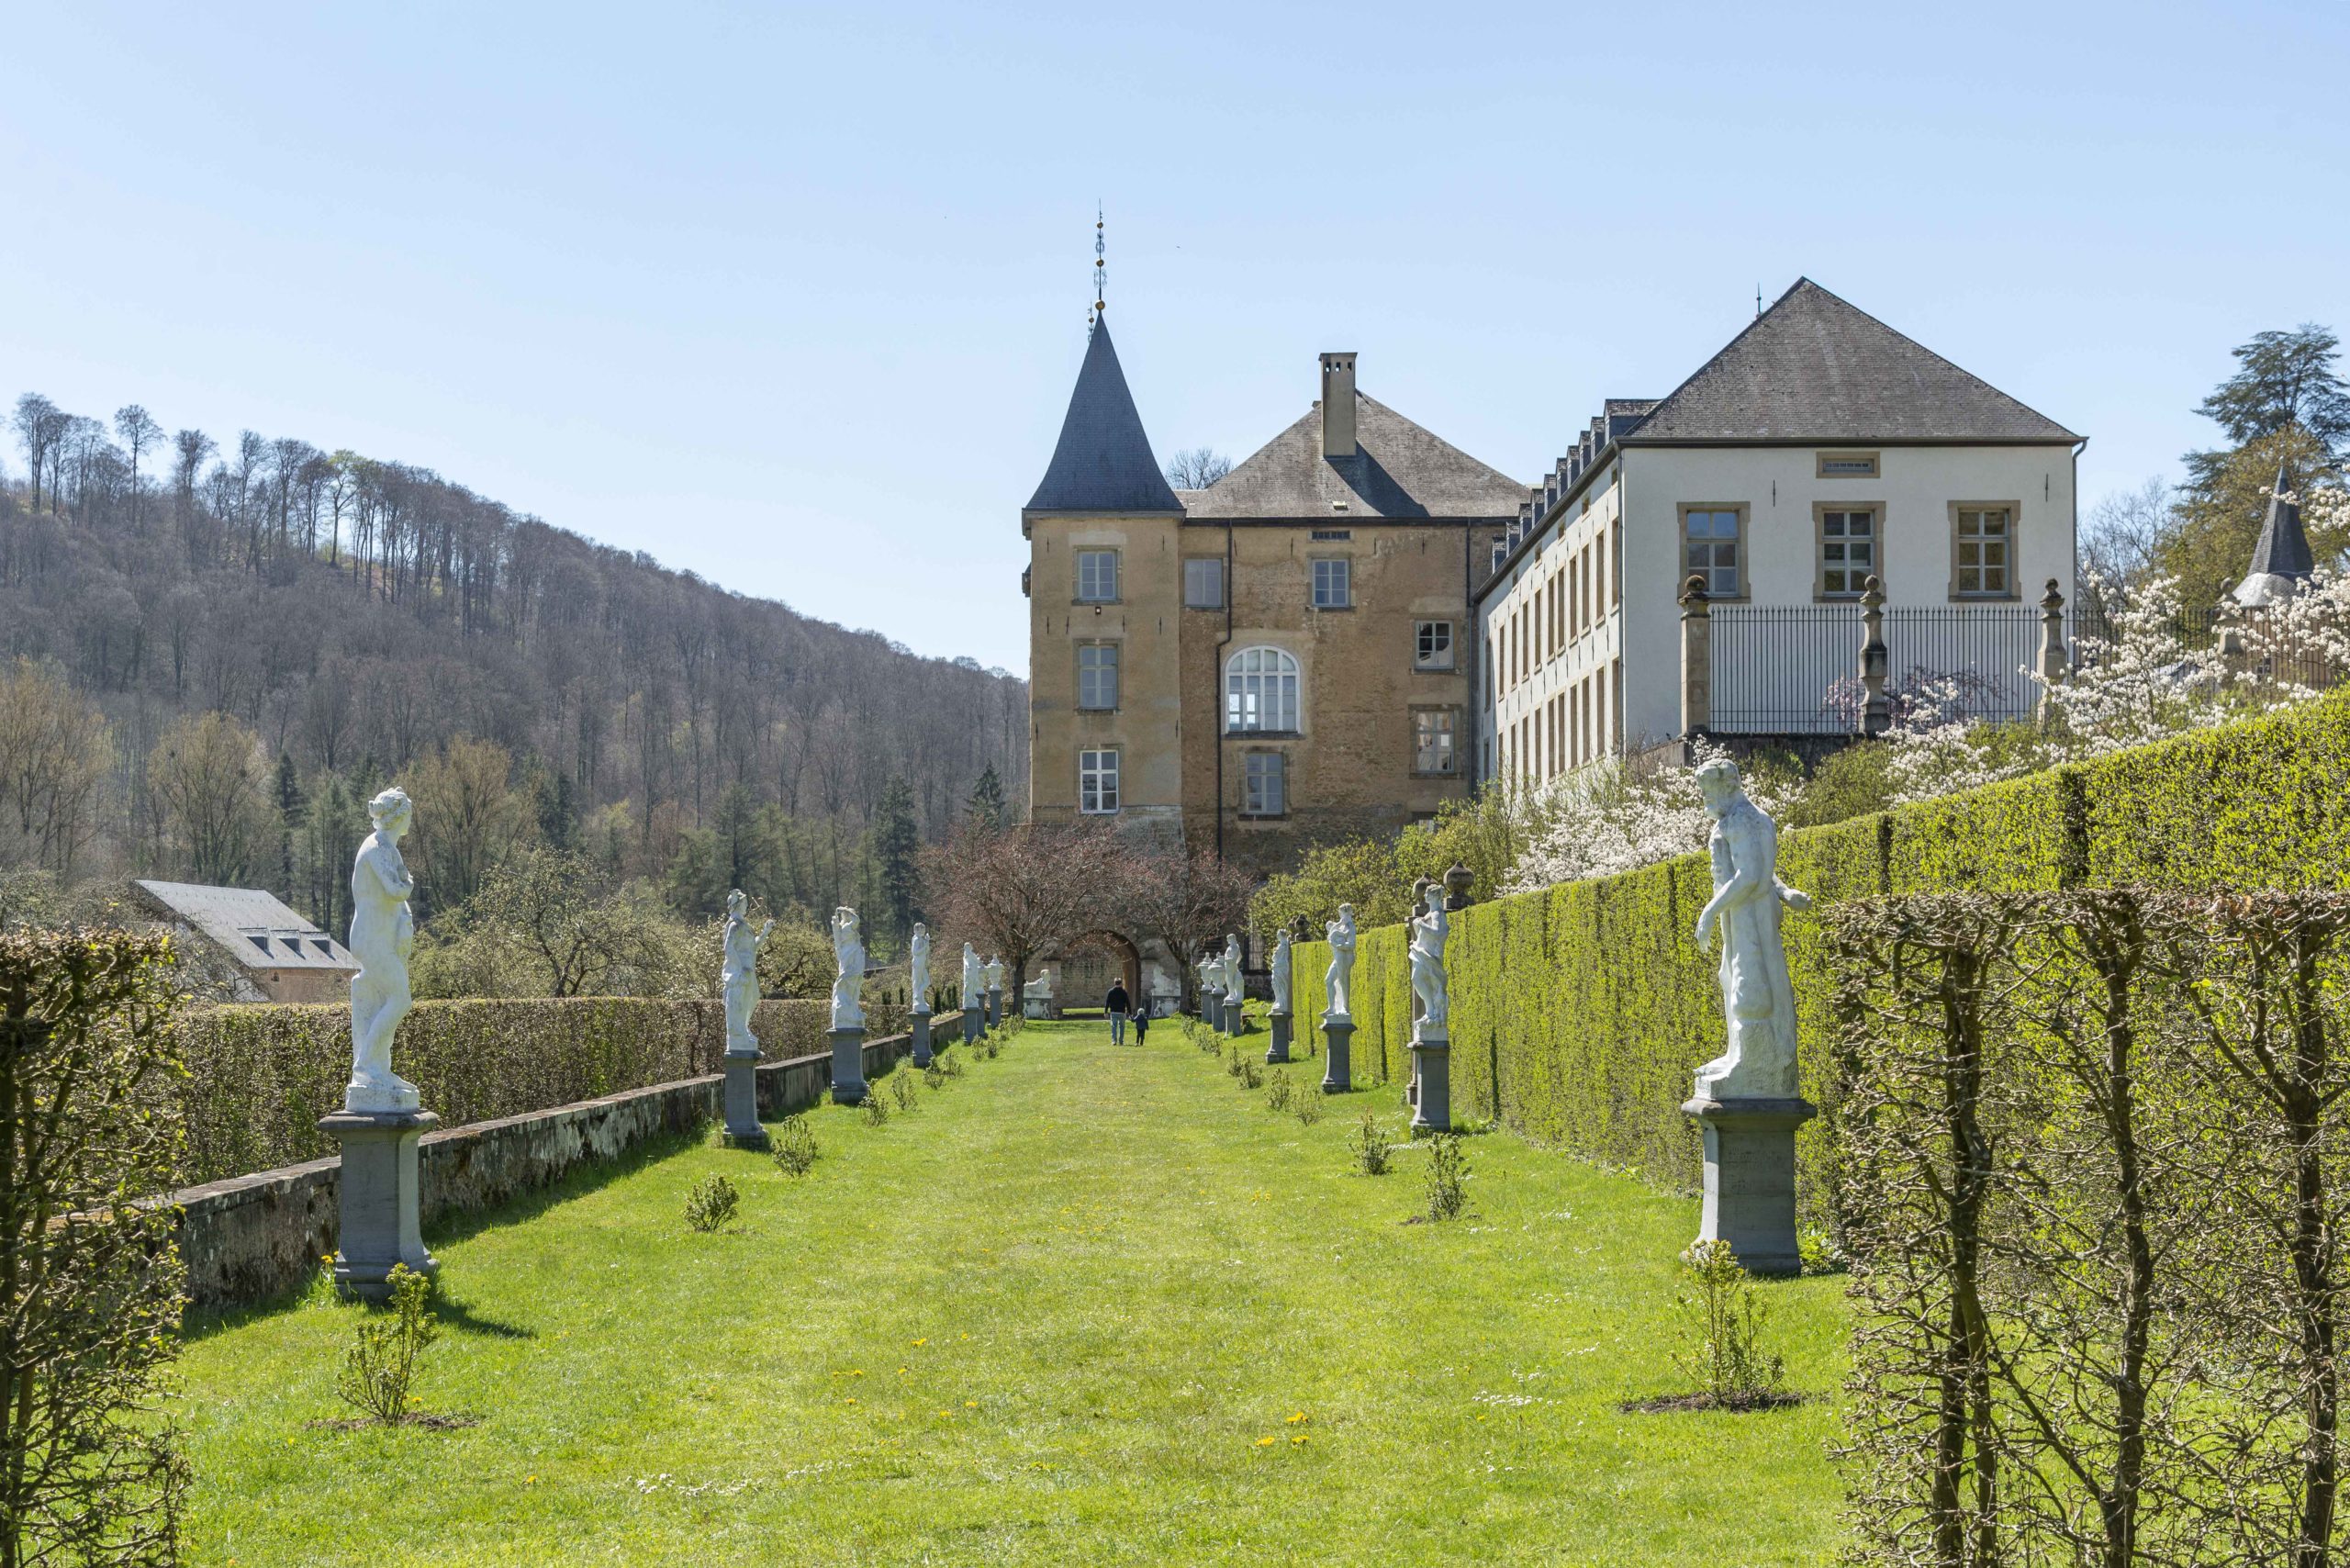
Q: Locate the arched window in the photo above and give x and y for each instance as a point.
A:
(1260, 691)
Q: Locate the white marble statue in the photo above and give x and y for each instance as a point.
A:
(1208, 982)
(382, 933)
(1232, 971)
(1339, 980)
(1430, 926)
(738, 977)
(1758, 1000)
(975, 980)
(848, 977)
(1281, 974)
(995, 973)
(918, 967)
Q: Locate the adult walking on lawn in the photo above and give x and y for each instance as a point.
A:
(1117, 1004)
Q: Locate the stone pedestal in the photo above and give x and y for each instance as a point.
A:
(378, 1189)
(920, 1026)
(1211, 1013)
(743, 1130)
(1279, 1050)
(848, 1067)
(971, 1021)
(1235, 1017)
(1751, 1179)
(1338, 1073)
(1432, 1080)
(995, 1007)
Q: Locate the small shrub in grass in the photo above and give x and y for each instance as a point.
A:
(1370, 1146)
(1277, 1090)
(1448, 1177)
(1249, 1077)
(794, 1148)
(1309, 1104)
(1721, 1346)
(933, 1075)
(379, 1368)
(950, 1064)
(875, 1108)
(1233, 1060)
(712, 1204)
(1821, 1251)
(902, 1088)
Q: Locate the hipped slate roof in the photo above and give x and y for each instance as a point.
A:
(2283, 550)
(1104, 461)
(251, 926)
(1399, 470)
(1815, 368)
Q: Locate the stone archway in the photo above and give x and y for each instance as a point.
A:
(1090, 961)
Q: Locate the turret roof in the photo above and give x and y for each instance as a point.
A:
(1103, 462)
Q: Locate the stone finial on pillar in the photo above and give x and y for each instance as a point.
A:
(1877, 709)
(2055, 661)
(1697, 658)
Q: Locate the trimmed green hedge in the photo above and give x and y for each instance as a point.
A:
(1581, 1012)
(259, 1077)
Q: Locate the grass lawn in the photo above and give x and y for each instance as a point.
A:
(1083, 1305)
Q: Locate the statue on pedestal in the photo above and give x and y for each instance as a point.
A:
(1758, 999)
(1429, 929)
(848, 979)
(1339, 977)
(975, 980)
(382, 934)
(1281, 973)
(738, 977)
(1231, 968)
(995, 973)
(918, 967)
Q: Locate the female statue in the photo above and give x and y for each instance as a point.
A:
(848, 979)
(382, 933)
(1429, 929)
(1758, 1000)
(738, 977)
(918, 967)
(1281, 973)
(1339, 978)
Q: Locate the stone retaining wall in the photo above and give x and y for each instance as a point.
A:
(252, 1237)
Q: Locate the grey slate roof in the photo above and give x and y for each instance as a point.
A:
(2283, 550)
(1813, 367)
(1399, 470)
(1104, 461)
(251, 926)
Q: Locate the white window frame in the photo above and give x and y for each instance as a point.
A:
(1855, 576)
(1263, 692)
(2004, 541)
(1264, 784)
(1425, 654)
(1206, 565)
(1094, 593)
(1437, 729)
(1711, 571)
(1097, 781)
(1333, 586)
(1103, 669)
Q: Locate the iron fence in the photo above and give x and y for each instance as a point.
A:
(1795, 669)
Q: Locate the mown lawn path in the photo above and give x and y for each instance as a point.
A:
(1085, 1305)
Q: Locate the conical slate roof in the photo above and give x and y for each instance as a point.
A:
(1104, 461)
(1815, 368)
(2284, 549)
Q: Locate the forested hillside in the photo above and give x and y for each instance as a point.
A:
(213, 655)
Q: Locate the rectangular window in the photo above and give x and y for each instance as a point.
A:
(1097, 781)
(1333, 583)
(1203, 583)
(1097, 675)
(1984, 544)
(1432, 733)
(1333, 534)
(1432, 645)
(1266, 785)
(1847, 466)
(1847, 556)
(1097, 577)
(1710, 545)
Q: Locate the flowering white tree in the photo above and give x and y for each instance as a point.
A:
(1614, 816)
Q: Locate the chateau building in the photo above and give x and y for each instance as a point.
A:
(1280, 659)
(1820, 450)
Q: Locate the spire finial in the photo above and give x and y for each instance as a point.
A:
(1101, 267)
(1757, 299)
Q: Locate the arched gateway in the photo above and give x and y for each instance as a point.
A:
(1091, 962)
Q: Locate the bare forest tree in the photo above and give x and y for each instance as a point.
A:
(1197, 467)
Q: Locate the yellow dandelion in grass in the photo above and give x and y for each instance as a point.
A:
(1299, 1419)
(970, 1405)
(851, 1399)
(1267, 1442)
(923, 1341)
(530, 1481)
(1298, 1441)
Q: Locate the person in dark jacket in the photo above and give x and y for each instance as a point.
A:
(1142, 1022)
(1117, 1004)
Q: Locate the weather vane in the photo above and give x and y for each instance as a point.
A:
(1101, 268)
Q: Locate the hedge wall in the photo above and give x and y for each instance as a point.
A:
(1581, 1012)
(259, 1077)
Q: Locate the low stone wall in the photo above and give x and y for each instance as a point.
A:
(248, 1239)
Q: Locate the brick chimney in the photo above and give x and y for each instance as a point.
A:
(1338, 405)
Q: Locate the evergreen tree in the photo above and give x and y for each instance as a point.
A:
(292, 808)
(985, 806)
(897, 841)
(558, 808)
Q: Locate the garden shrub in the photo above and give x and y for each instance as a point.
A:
(1372, 1148)
(794, 1149)
(711, 1203)
(1448, 1177)
(1581, 1012)
(379, 1369)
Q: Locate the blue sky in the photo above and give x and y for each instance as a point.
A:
(793, 297)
